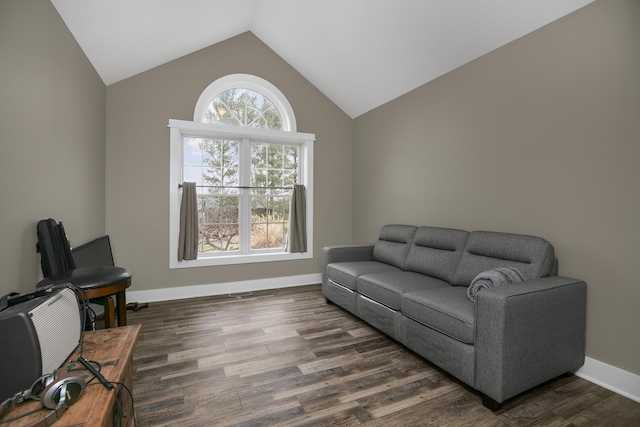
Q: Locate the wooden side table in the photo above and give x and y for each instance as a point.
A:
(96, 406)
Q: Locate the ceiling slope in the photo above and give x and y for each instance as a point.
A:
(359, 53)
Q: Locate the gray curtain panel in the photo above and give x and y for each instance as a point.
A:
(188, 238)
(297, 241)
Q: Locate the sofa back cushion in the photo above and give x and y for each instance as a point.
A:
(436, 252)
(393, 244)
(486, 250)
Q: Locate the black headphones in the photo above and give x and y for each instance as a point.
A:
(56, 391)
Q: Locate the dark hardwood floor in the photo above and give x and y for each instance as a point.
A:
(285, 358)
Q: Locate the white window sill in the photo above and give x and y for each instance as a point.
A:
(208, 261)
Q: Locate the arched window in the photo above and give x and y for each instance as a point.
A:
(244, 154)
(245, 100)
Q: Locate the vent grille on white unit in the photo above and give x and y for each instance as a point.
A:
(57, 324)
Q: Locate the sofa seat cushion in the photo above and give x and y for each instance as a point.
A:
(388, 287)
(347, 273)
(447, 310)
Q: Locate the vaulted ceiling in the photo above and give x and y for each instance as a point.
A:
(359, 53)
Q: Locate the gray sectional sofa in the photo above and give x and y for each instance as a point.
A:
(412, 285)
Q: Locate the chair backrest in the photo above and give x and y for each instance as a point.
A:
(96, 253)
(54, 248)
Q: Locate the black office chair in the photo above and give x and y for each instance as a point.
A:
(89, 267)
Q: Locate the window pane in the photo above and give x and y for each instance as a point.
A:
(244, 107)
(259, 156)
(218, 223)
(274, 165)
(276, 235)
(221, 161)
(290, 157)
(259, 178)
(289, 178)
(269, 222)
(192, 174)
(192, 152)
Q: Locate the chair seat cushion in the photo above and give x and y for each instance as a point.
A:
(90, 277)
(447, 310)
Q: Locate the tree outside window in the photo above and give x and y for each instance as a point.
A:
(244, 107)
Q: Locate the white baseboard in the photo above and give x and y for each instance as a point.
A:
(622, 382)
(183, 292)
(615, 379)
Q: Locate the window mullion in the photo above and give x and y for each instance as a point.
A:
(245, 195)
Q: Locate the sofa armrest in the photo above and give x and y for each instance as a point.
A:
(528, 333)
(344, 253)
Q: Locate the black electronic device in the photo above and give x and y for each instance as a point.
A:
(37, 336)
(28, 296)
(95, 373)
(96, 253)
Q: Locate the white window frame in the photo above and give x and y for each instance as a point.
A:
(179, 129)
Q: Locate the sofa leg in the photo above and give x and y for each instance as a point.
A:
(327, 301)
(490, 404)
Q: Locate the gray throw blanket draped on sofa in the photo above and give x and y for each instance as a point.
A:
(490, 278)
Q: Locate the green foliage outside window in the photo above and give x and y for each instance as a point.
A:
(244, 107)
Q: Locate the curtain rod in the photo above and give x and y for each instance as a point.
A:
(241, 187)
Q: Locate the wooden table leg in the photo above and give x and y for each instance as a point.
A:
(121, 300)
(109, 321)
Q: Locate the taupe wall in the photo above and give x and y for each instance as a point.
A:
(539, 137)
(138, 111)
(52, 137)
